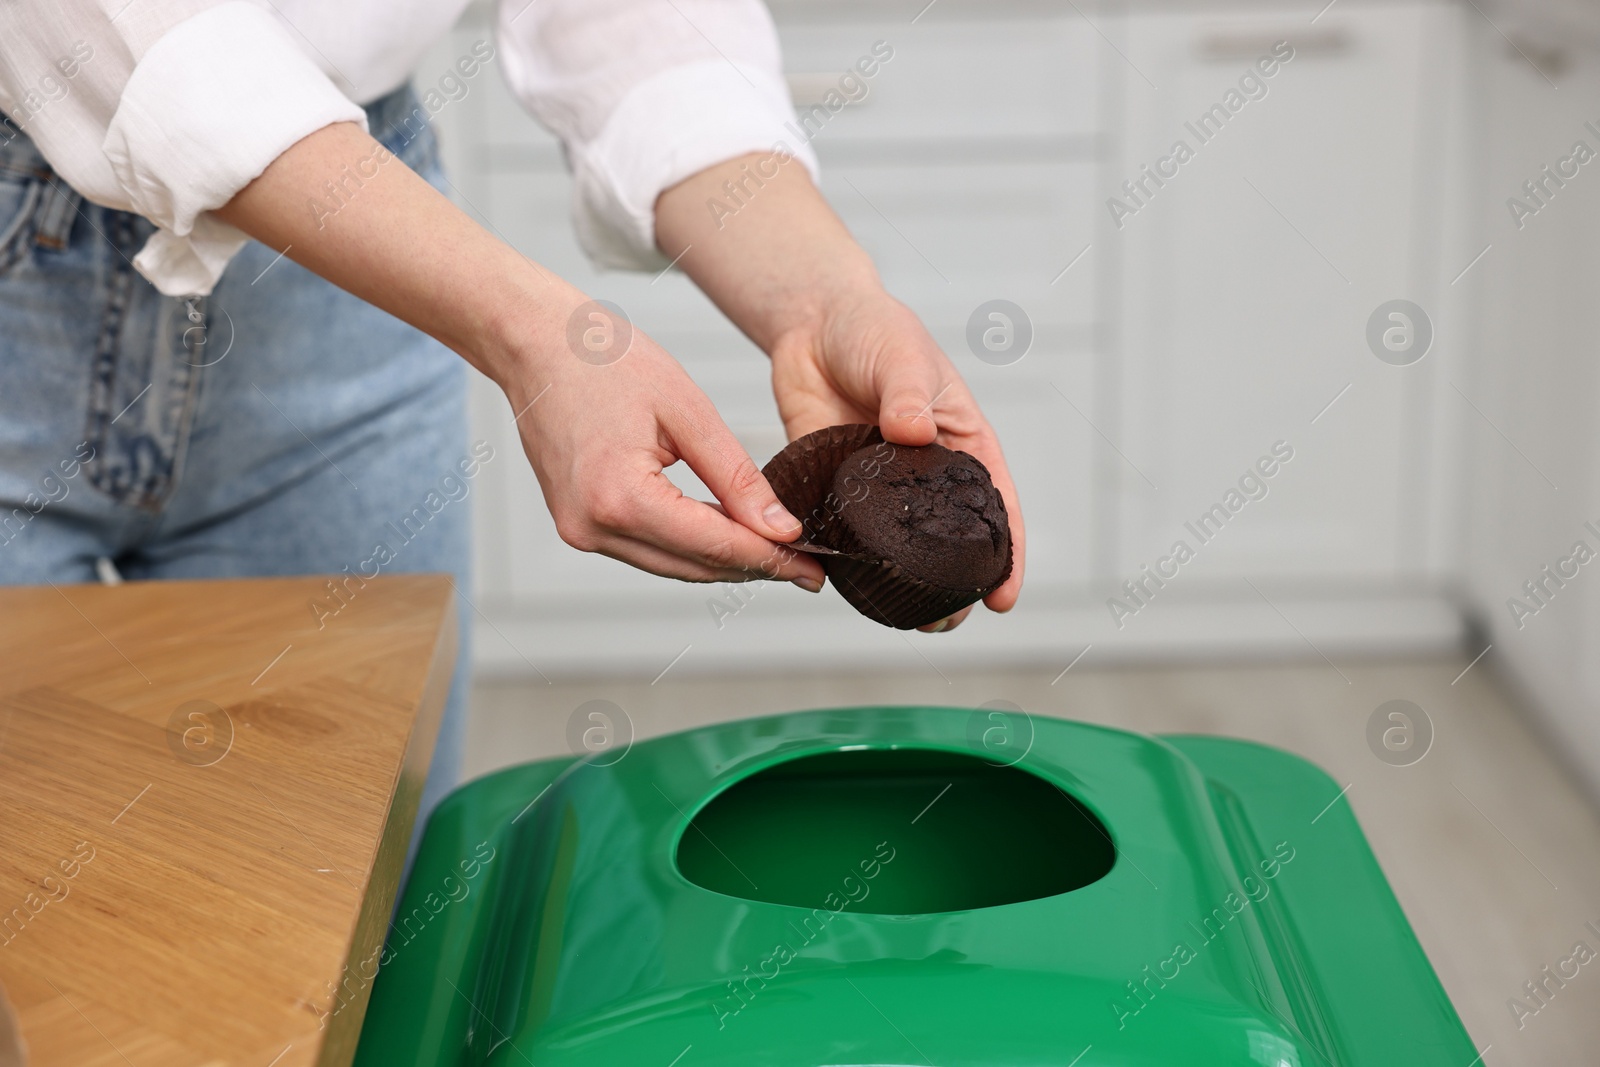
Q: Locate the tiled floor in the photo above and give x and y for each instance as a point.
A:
(1493, 852)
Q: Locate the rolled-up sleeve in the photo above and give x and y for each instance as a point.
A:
(214, 101)
(179, 107)
(645, 93)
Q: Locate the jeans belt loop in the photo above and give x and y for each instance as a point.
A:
(56, 214)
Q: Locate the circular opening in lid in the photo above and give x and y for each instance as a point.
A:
(894, 832)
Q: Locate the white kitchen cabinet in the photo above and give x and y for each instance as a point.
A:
(1247, 280)
(1171, 355)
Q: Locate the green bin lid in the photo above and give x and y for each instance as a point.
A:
(896, 886)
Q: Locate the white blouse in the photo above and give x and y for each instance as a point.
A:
(169, 107)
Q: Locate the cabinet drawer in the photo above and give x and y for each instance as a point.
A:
(959, 71)
(1012, 82)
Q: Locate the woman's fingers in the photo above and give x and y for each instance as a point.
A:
(697, 435)
(708, 544)
(659, 561)
(600, 456)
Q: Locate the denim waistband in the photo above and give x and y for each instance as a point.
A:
(396, 116)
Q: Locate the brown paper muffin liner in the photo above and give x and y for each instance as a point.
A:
(802, 476)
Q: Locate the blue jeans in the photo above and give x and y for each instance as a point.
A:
(275, 427)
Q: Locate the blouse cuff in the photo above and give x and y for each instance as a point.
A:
(668, 127)
(214, 101)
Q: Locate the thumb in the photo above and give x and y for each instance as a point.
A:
(905, 413)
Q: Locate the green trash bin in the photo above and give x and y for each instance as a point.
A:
(899, 886)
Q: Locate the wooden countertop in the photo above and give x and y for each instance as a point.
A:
(205, 802)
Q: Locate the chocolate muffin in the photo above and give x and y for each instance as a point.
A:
(907, 534)
(931, 510)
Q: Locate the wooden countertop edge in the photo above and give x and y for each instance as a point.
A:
(347, 1006)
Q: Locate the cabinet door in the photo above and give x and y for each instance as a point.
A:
(1535, 490)
(1248, 279)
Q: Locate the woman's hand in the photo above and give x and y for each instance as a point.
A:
(784, 268)
(599, 437)
(871, 360)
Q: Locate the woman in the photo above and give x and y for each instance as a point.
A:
(178, 400)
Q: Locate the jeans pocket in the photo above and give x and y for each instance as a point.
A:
(20, 201)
